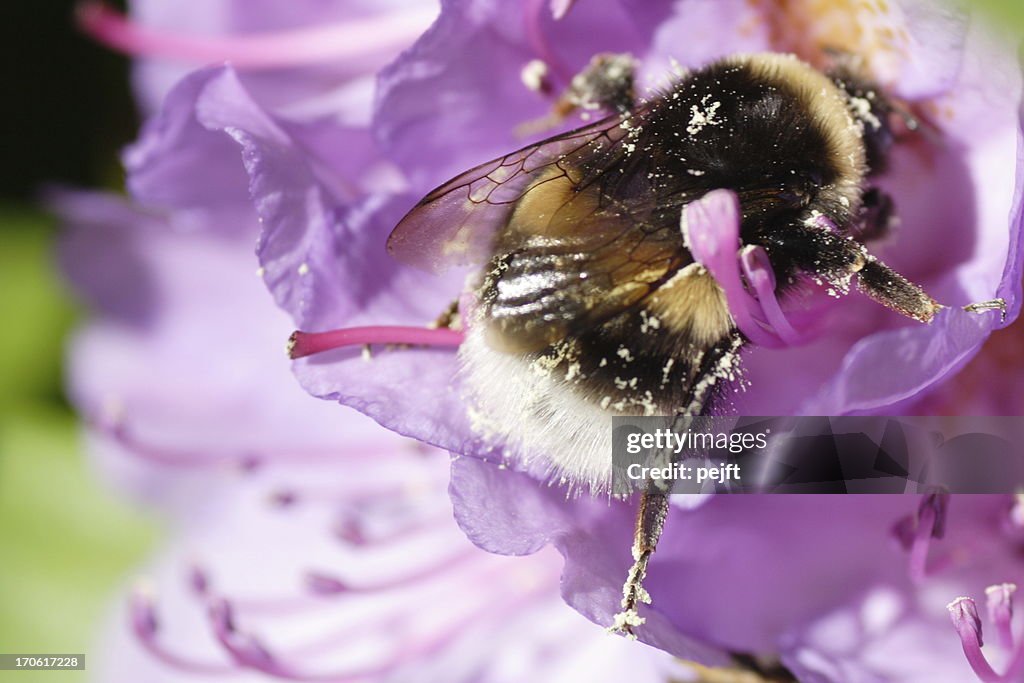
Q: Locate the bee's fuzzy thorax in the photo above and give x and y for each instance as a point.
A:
(828, 109)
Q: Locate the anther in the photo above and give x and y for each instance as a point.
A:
(964, 614)
(198, 580)
(145, 627)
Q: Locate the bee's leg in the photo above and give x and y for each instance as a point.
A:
(885, 285)
(824, 253)
(889, 288)
(449, 319)
(650, 522)
(606, 84)
(892, 290)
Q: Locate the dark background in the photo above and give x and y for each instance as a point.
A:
(67, 107)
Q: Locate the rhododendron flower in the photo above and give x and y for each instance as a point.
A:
(832, 589)
(961, 242)
(956, 196)
(306, 545)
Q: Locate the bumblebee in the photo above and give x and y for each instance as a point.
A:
(592, 299)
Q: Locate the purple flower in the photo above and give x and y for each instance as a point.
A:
(836, 589)
(305, 545)
(439, 111)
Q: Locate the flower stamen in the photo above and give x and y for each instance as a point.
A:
(145, 627)
(379, 35)
(964, 613)
(1000, 611)
(352, 531)
(321, 583)
(119, 430)
(243, 648)
(198, 580)
(915, 532)
(535, 36)
(249, 652)
(302, 344)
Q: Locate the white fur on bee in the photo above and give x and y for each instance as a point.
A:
(537, 414)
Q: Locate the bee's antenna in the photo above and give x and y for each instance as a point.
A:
(990, 305)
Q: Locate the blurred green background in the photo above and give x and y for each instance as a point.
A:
(66, 544)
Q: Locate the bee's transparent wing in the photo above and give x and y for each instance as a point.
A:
(456, 223)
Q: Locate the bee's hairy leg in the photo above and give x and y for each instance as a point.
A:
(892, 290)
(822, 252)
(650, 522)
(885, 285)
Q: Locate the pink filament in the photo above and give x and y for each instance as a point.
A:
(302, 344)
(919, 548)
(351, 531)
(915, 533)
(964, 615)
(245, 460)
(1000, 611)
(357, 37)
(144, 625)
(324, 584)
(249, 652)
